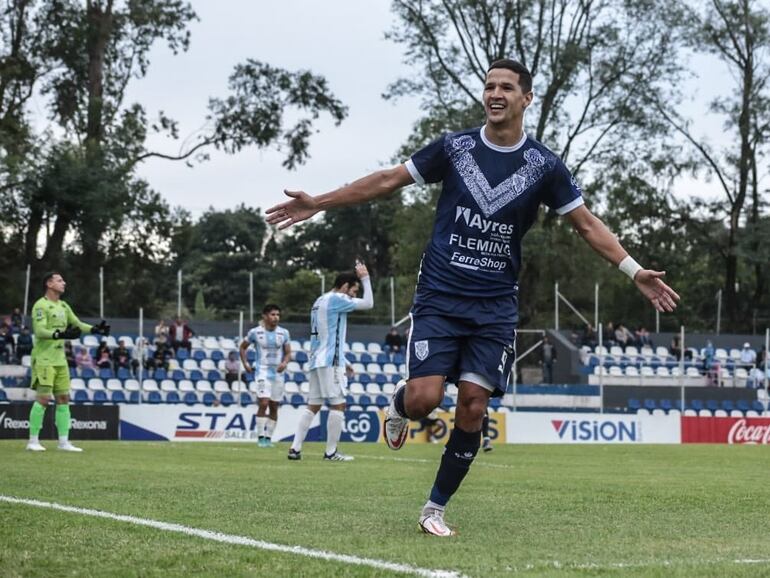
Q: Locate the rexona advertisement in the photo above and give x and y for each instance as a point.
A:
(725, 430)
(88, 422)
(587, 428)
(236, 424)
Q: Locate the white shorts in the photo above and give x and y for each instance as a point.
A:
(327, 383)
(270, 388)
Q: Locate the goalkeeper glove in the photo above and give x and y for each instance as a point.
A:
(101, 329)
(69, 333)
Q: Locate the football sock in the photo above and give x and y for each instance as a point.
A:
(398, 402)
(261, 422)
(36, 415)
(304, 424)
(459, 453)
(333, 430)
(62, 419)
(485, 426)
(270, 428)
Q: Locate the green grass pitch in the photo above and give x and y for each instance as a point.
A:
(523, 510)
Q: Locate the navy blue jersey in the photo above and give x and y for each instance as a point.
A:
(490, 198)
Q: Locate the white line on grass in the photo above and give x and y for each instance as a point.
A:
(240, 540)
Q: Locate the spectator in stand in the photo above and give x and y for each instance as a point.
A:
(748, 356)
(69, 355)
(623, 336)
(6, 345)
(180, 334)
(608, 335)
(103, 356)
(708, 355)
(161, 332)
(83, 358)
(24, 343)
(643, 337)
(121, 357)
(17, 320)
(232, 367)
(549, 358)
(159, 359)
(589, 336)
(393, 341)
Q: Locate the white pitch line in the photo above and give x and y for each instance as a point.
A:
(240, 540)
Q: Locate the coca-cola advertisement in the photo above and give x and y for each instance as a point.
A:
(725, 430)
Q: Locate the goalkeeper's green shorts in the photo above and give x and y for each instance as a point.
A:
(51, 379)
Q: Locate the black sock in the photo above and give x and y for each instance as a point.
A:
(485, 426)
(398, 402)
(459, 453)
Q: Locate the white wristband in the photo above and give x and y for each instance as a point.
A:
(629, 266)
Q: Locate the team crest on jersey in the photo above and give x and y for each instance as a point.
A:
(421, 349)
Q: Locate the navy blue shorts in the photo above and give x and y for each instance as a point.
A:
(452, 336)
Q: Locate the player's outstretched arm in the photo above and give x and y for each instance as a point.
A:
(367, 302)
(302, 206)
(598, 236)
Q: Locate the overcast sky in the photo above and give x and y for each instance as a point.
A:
(342, 40)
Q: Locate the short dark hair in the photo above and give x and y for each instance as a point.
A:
(47, 277)
(270, 307)
(347, 277)
(525, 76)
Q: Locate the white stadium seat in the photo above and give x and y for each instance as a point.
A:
(114, 385)
(151, 385)
(167, 385)
(131, 385)
(186, 385)
(95, 384)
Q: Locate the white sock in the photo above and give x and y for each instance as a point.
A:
(333, 430)
(304, 424)
(34, 439)
(270, 428)
(64, 439)
(261, 421)
(432, 506)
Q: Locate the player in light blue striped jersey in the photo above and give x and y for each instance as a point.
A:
(273, 349)
(329, 325)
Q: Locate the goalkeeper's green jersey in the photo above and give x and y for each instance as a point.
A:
(47, 317)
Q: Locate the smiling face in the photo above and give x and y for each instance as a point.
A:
(504, 99)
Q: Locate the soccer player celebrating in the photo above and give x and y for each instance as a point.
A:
(465, 306)
(273, 349)
(328, 332)
(52, 322)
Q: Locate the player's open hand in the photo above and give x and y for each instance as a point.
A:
(301, 207)
(651, 285)
(361, 269)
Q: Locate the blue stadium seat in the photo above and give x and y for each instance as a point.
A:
(209, 398)
(73, 372)
(349, 355)
(227, 399)
(364, 399)
(365, 358)
(100, 396)
(248, 377)
(159, 374)
(350, 400)
(495, 402)
(399, 358)
(712, 405)
(172, 397)
(634, 404)
(199, 355)
(133, 397)
(297, 399)
(650, 404)
(178, 374)
(382, 401)
(382, 358)
(81, 396)
(301, 357)
(196, 375)
(87, 373)
(182, 354)
(447, 402)
(665, 404)
(742, 405)
(213, 375)
(299, 377)
(106, 373)
(696, 404)
(3, 396)
(728, 405)
(123, 373)
(381, 379)
(757, 406)
(190, 398)
(118, 396)
(395, 378)
(364, 379)
(246, 398)
(217, 356)
(154, 397)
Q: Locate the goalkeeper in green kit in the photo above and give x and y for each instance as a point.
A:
(53, 321)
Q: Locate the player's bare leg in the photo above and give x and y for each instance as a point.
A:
(412, 400)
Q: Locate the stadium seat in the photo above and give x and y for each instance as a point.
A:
(217, 356)
(742, 405)
(168, 385)
(182, 355)
(160, 374)
(73, 370)
(81, 396)
(154, 397)
(389, 369)
(213, 375)
(356, 388)
(364, 399)
(373, 368)
(692, 372)
(301, 357)
(90, 341)
(649, 404)
(221, 386)
(95, 383)
(185, 386)
(203, 385)
(662, 371)
(727, 405)
(195, 375)
(210, 343)
(114, 384)
(123, 373)
(206, 365)
(172, 397)
(616, 371)
(382, 401)
(209, 398)
(382, 358)
(190, 398)
(373, 388)
(290, 387)
(395, 378)
(227, 399)
(380, 379)
(449, 402)
(757, 406)
(633, 371)
(77, 383)
(87, 373)
(177, 374)
(712, 405)
(696, 404)
(297, 399)
(227, 344)
(118, 396)
(365, 358)
(364, 378)
(150, 385)
(634, 404)
(246, 399)
(199, 355)
(131, 385)
(374, 348)
(666, 405)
